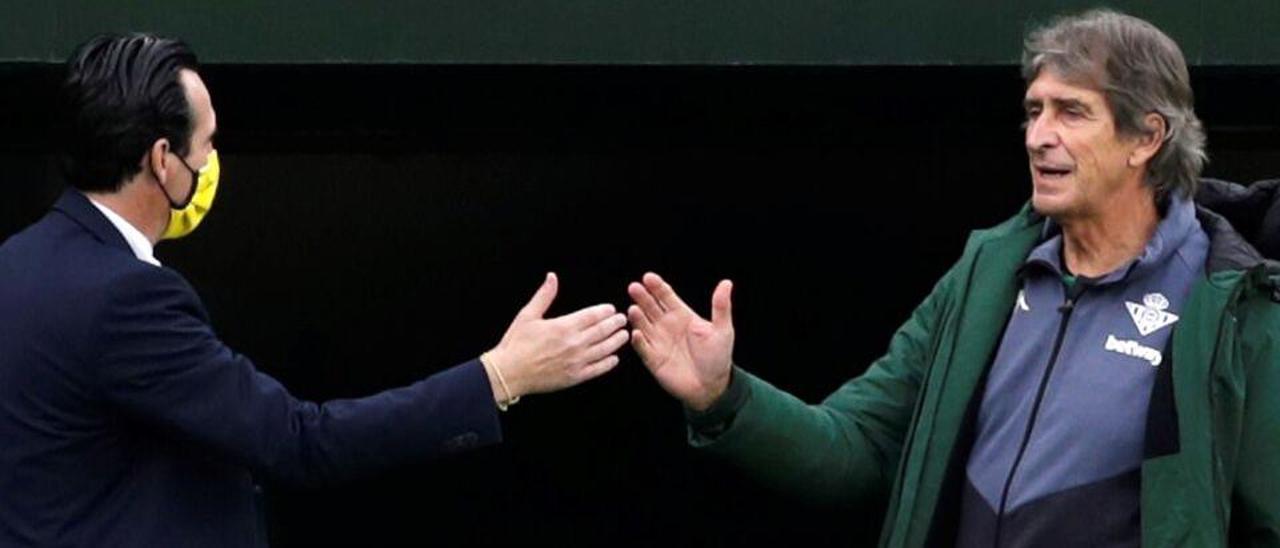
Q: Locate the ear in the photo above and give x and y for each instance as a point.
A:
(157, 159)
(1149, 142)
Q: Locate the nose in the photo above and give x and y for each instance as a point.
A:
(1041, 134)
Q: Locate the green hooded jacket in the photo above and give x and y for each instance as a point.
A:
(1212, 476)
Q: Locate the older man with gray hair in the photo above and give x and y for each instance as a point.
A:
(1103, 369)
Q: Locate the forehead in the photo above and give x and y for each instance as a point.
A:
(198, 98)
(1048, 85)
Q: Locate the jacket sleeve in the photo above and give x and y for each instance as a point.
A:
(1255, 499)
(160, 364)
(844, 449)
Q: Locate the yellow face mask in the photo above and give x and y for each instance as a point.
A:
(185, 220)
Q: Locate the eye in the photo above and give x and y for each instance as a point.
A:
(1073, 113)
(1030, 114)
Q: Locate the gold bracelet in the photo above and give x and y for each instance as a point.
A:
(487, 361)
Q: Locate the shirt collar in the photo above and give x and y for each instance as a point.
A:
(141, 246)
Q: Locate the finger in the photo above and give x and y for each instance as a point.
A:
(639, 319)
(663, 292)
(541, 301)
(643, 347)
(597, 368)
(644, 299)
(604, 329)
(607, 346)
(587, 317)
(722, 306)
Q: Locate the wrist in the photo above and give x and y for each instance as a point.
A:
(504, 394)
(715, 390)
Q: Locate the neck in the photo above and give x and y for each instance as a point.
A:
(135, 207)
(1096, 244)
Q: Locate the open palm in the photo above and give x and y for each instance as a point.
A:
(689, 356)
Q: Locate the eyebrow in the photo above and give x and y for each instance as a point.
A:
(1071, 102)
(1059, 102)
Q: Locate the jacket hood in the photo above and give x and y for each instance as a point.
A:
(1243, 222)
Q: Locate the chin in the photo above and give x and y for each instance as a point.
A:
(1053, 207)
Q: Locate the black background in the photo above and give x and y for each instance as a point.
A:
(379, 223)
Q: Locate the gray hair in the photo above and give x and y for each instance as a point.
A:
(1140, 71)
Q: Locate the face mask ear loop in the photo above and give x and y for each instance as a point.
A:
(191, 193)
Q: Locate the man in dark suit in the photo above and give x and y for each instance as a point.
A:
(123, 419)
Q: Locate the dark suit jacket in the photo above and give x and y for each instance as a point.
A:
(124, 421)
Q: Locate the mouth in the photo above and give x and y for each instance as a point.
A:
(1051, 172)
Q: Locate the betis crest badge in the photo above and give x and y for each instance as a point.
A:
(1150, 316)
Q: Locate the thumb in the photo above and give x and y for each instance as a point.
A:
(542, 299)
(722, 306)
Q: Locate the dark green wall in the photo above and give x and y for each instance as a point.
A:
(384, 214)
(821, 32)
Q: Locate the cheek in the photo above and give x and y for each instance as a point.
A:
(1090, 155)
(1113, 158)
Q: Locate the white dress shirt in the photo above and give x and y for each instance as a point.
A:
(141, 246)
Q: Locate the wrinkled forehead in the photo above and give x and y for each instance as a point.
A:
(1050, 86)
(1081, 73)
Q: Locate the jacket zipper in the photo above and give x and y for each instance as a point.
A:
(1068, 306)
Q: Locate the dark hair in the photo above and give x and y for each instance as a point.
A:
(1140, 70)
(122, 94)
